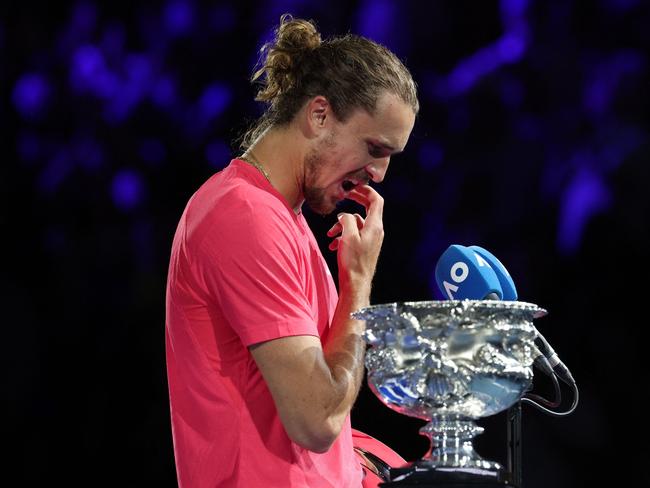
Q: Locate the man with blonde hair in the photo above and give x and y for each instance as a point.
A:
(264, 361)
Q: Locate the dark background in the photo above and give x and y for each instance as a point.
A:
(532, 141)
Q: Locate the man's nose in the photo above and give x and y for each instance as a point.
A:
(377, 169)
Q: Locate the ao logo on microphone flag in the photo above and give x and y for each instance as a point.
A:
(473, 273)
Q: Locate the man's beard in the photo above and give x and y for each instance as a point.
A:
(316, 197)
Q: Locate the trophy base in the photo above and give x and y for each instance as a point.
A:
(447, 477)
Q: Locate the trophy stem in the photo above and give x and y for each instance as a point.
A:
(451, 444)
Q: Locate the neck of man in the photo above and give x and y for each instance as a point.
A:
(281, 152)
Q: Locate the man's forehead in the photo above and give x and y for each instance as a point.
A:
(390, 131)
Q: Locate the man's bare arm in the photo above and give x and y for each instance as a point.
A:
(314, 387)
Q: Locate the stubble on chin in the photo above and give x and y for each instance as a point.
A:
(316, 197)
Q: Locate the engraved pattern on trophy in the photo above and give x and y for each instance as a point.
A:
(451, 363)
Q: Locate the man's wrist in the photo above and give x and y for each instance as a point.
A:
(355, 292)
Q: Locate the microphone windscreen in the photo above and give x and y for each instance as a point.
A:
(461, 274)
(505, 280)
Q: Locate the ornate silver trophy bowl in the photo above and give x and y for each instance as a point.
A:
(450, 363)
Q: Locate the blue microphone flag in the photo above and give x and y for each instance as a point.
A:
(462, 273)
(505, 280)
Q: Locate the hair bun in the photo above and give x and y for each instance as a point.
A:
(281, 58)
(297, 34)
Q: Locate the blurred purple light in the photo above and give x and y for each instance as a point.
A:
(89, 74)
(127, 189)
(218, 154)
(179, 17)
(88, 60)
(377, 19)
(586, 195)
(88, 153)
(163, 93)
(30, 95)
(513, 16)
(468, 71)
(132, 90)
(214, 100)
(512, 92)
(114, 39)
(84, 16)
(602, 83)
(511, 47)
(55, 172)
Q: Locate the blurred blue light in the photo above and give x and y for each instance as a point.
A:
(30, 95)
(114, 39)
(512, 92)
(84, 16)
(132, 90)
(127, 189)
(55, 172)
(89, 74)
(163, 92)
(214, 100)
(586, 195)
(218, 154)
(88, 60)
(179, 17)
(88, 153)
(602, 83)
(430, 155)
(511, 47)
(512, 9)
(597, 95)
(377, 19)
(138, 69)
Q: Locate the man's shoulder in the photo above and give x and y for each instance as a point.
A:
(226, 202)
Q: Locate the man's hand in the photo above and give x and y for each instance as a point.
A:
(360, 241)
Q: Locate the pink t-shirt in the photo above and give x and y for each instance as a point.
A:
(244, 269)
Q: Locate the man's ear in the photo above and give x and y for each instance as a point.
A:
(319, 114)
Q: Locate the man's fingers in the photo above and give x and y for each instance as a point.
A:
(336, 229)
(349, 224)
(334, 245)
(360, 221)
(359, 197)
(373, 201)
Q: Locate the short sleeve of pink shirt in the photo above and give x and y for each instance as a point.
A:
(244, 269)
(256, 266)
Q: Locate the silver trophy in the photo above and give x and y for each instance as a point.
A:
(450, 363)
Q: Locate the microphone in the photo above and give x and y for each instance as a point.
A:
(462, 273)
(505, 280)
(474, 273)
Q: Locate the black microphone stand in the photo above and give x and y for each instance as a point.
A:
(514, 445)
